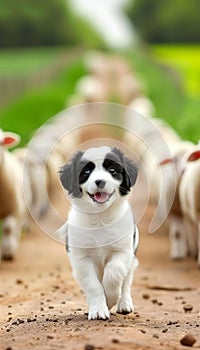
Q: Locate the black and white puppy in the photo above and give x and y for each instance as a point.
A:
(101, 235)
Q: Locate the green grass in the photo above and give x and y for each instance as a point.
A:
(23, 61)
(186, 60)
(171, 102)
(35, 107)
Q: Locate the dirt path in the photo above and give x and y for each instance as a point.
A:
(42, 307)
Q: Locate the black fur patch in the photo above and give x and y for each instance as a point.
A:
(69, 175)
(112, 165)
(86, 169)
(135, 248)
(125, 168)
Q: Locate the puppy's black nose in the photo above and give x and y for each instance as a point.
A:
(100, 183)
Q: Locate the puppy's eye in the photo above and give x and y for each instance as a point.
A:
(86, 172)
(112, 170)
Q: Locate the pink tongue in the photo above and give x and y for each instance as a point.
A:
(101, 197)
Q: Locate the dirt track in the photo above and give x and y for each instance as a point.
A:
(42, 306)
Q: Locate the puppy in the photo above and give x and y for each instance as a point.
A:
(101, 235)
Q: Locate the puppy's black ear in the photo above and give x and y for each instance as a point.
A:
(66, 177)
(129, 176)
(69, 176)
(130, 172)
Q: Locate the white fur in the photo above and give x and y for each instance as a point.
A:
(143, 105)
(190, 203)
(92, 89)
(155, 136)
(13, 211)
(104, 271)
(37, 201)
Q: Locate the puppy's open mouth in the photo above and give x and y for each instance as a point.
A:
(100, 197)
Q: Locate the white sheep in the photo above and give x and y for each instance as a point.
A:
(140, 124)
(98, 64)
(115, 76)
(92, 89)
(190, 200)
(34, 168)
(143, 105)
(13, 211)
(48, 150)
(128, 87)
(164, 175)
(177, 227)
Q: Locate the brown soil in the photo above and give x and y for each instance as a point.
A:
(42, 306)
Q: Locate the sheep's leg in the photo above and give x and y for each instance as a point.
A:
(192, 238)
(199, 244)
(11, 230)
(178, 242)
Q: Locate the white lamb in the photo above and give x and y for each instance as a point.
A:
(98, 64)
(128, 87)
(162, 152)
(34, 169)
(143, 105)
(164, 174)
(13, 212)
(190, 201)
(140, 124)
(42, 158)
(92, 89)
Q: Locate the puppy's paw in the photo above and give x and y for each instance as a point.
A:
(99, 313)
(125, 306)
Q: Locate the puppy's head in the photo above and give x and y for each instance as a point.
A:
(98, 176)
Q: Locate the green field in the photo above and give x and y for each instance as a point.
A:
(186, 60)
(21, 62)
(37, 105)
(172, 103)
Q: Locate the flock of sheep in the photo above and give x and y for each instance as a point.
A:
(29, 176)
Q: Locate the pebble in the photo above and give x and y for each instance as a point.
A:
(165, 330)
(19, 281)
(115, 340)
(188, 340)
(154, 301)
(50, 337)
(142, 331)
(89, 347)
(31, 320)
(146, 296)
(155, 336)
(187, 308)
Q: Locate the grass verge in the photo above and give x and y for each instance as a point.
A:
(23, 61)
(35, 107)
(164, 87)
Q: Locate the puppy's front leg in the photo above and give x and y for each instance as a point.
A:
(125, 304)
(87, 274)
(115, 272)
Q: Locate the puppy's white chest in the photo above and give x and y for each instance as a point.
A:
(116, 232)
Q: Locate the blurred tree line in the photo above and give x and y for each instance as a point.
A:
(43, 22)
(166, 20)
